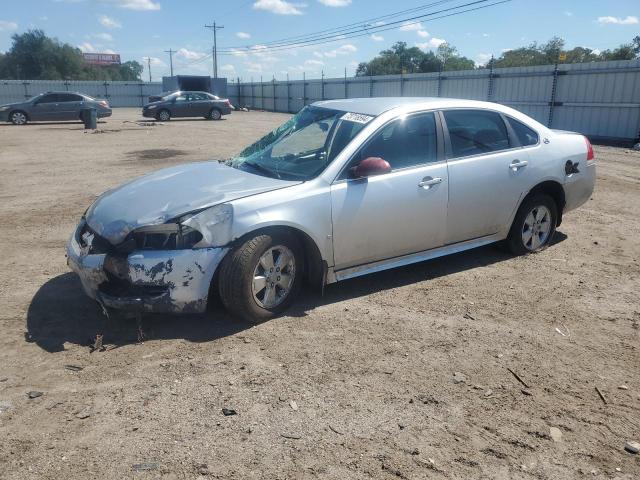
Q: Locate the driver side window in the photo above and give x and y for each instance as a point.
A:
(49, 98)
(406, 142)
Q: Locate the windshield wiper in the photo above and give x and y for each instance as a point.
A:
(260, 168)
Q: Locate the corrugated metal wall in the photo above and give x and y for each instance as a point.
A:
(119, 94)
(600, 99)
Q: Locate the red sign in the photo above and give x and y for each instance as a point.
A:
(102, 58)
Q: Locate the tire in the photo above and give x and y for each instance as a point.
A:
(18, 118)
(534, 225)
(215, 114)
(163, 115)
(246, 269)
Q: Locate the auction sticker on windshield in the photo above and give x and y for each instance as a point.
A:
(356, 117)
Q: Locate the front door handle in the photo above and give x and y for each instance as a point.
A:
(428, 182)
(517, 164)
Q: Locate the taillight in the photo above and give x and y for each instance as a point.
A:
(104, 103)
(590, 155)
(228, 102)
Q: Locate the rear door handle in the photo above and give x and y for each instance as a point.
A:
(516, 164)
(428, 182)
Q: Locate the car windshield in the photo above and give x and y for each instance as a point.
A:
(301, 148)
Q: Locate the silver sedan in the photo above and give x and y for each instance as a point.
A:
(344, 188)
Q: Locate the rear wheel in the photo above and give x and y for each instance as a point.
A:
(215, 114)
(18, 118)
(534, 225)
(164, 115)
(261, 277)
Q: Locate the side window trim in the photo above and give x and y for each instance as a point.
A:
(447, 138)
(440, 148)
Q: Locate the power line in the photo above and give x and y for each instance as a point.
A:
(361, 24)
(357, 33)
(215, 28)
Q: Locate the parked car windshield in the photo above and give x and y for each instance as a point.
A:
(301, 148)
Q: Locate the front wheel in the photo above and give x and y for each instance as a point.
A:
(534, 225)
(261, 277)
(18, 118)
(164, 115)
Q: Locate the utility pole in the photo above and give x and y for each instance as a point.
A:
(170, 52)
(149, 67)
(214, 51)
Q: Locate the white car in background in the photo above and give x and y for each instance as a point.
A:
(344, 188)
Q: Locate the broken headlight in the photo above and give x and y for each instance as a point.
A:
(168, 236)
(209, 228)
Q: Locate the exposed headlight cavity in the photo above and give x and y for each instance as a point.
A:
(213, 223)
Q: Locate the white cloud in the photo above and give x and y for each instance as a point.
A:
(189, 54)
(569, 14)
(254, 67)
(410, 27)
(314, 63)
(335, 3)
(629, 20)
(236, 52)
(86, 47)
(279, 7)
(140, 5)
(423, 33)
(155, 61)
(243, 35)
(107, 50)
(377, 38)
(106, 37)
(108, 22)
(318, 54)
(482, 58)
(341, 50)
(431, 43)
(6, 26)
(486, 35)
(227, 67)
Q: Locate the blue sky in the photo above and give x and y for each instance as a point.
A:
(145, 28)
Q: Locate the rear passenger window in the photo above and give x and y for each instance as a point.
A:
(525, 135)
(405, 142)
(474, 132)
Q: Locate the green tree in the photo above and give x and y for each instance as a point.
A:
(34, 56)
(450, 59)
(402, 59)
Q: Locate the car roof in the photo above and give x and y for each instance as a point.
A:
(374, 106)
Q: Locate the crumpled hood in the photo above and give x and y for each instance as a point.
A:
(160, 196)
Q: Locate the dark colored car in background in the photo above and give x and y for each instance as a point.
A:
(188, 104)
(53, 106)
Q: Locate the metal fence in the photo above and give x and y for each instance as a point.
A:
(119, 94)
(599, 99)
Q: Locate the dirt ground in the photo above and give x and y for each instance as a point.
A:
(410, 373)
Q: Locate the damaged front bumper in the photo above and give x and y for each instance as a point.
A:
(159, 281)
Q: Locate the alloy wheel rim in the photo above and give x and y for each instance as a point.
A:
(164, 116)
(215, 114)
(273, 277)
(19, 118)
(536, 228)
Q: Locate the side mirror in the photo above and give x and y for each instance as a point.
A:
(370, 167)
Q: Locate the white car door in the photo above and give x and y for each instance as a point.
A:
(488, 173)
(397, 213)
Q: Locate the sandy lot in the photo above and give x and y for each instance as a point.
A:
(403, 374)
